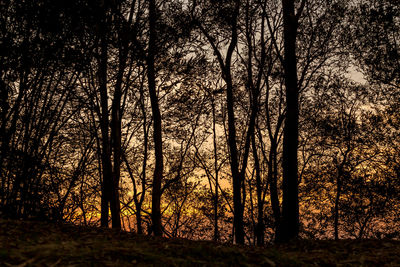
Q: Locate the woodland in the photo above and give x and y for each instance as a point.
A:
(244, 122)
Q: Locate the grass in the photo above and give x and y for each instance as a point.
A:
(30, 243)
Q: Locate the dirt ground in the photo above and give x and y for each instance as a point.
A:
(30, 243)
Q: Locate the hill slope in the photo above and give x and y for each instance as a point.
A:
(28, 243)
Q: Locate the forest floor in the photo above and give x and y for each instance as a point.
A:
(30, 243)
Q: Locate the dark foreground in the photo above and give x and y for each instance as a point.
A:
(43, 244)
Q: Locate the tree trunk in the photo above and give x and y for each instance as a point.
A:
(216, 171)
(290, 202)
(236, 178)
(260, 227)
(158, 171)
(336, 210)
(104, 122)
(337, 200)
(237, 175)
(139, 218)
(273, 187)
(116, 138)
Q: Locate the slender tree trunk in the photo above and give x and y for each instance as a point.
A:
(237, 175)
(260, 227)
(116, 138)
(144, 166)
(254, 89)
(290, 202)
(104, 123)
(139, 218)
(216, 171)
(337, 200)
(273, 189)
(158, 171)
(336, 209)
(236, 178)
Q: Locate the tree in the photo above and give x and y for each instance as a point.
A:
(227, 15)
(346, 180)
(290, 202)
(157, 135)
(374, 33)
(37, 89)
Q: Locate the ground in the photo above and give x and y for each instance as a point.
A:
(30, 243)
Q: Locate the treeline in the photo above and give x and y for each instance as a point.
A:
(241, 121)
